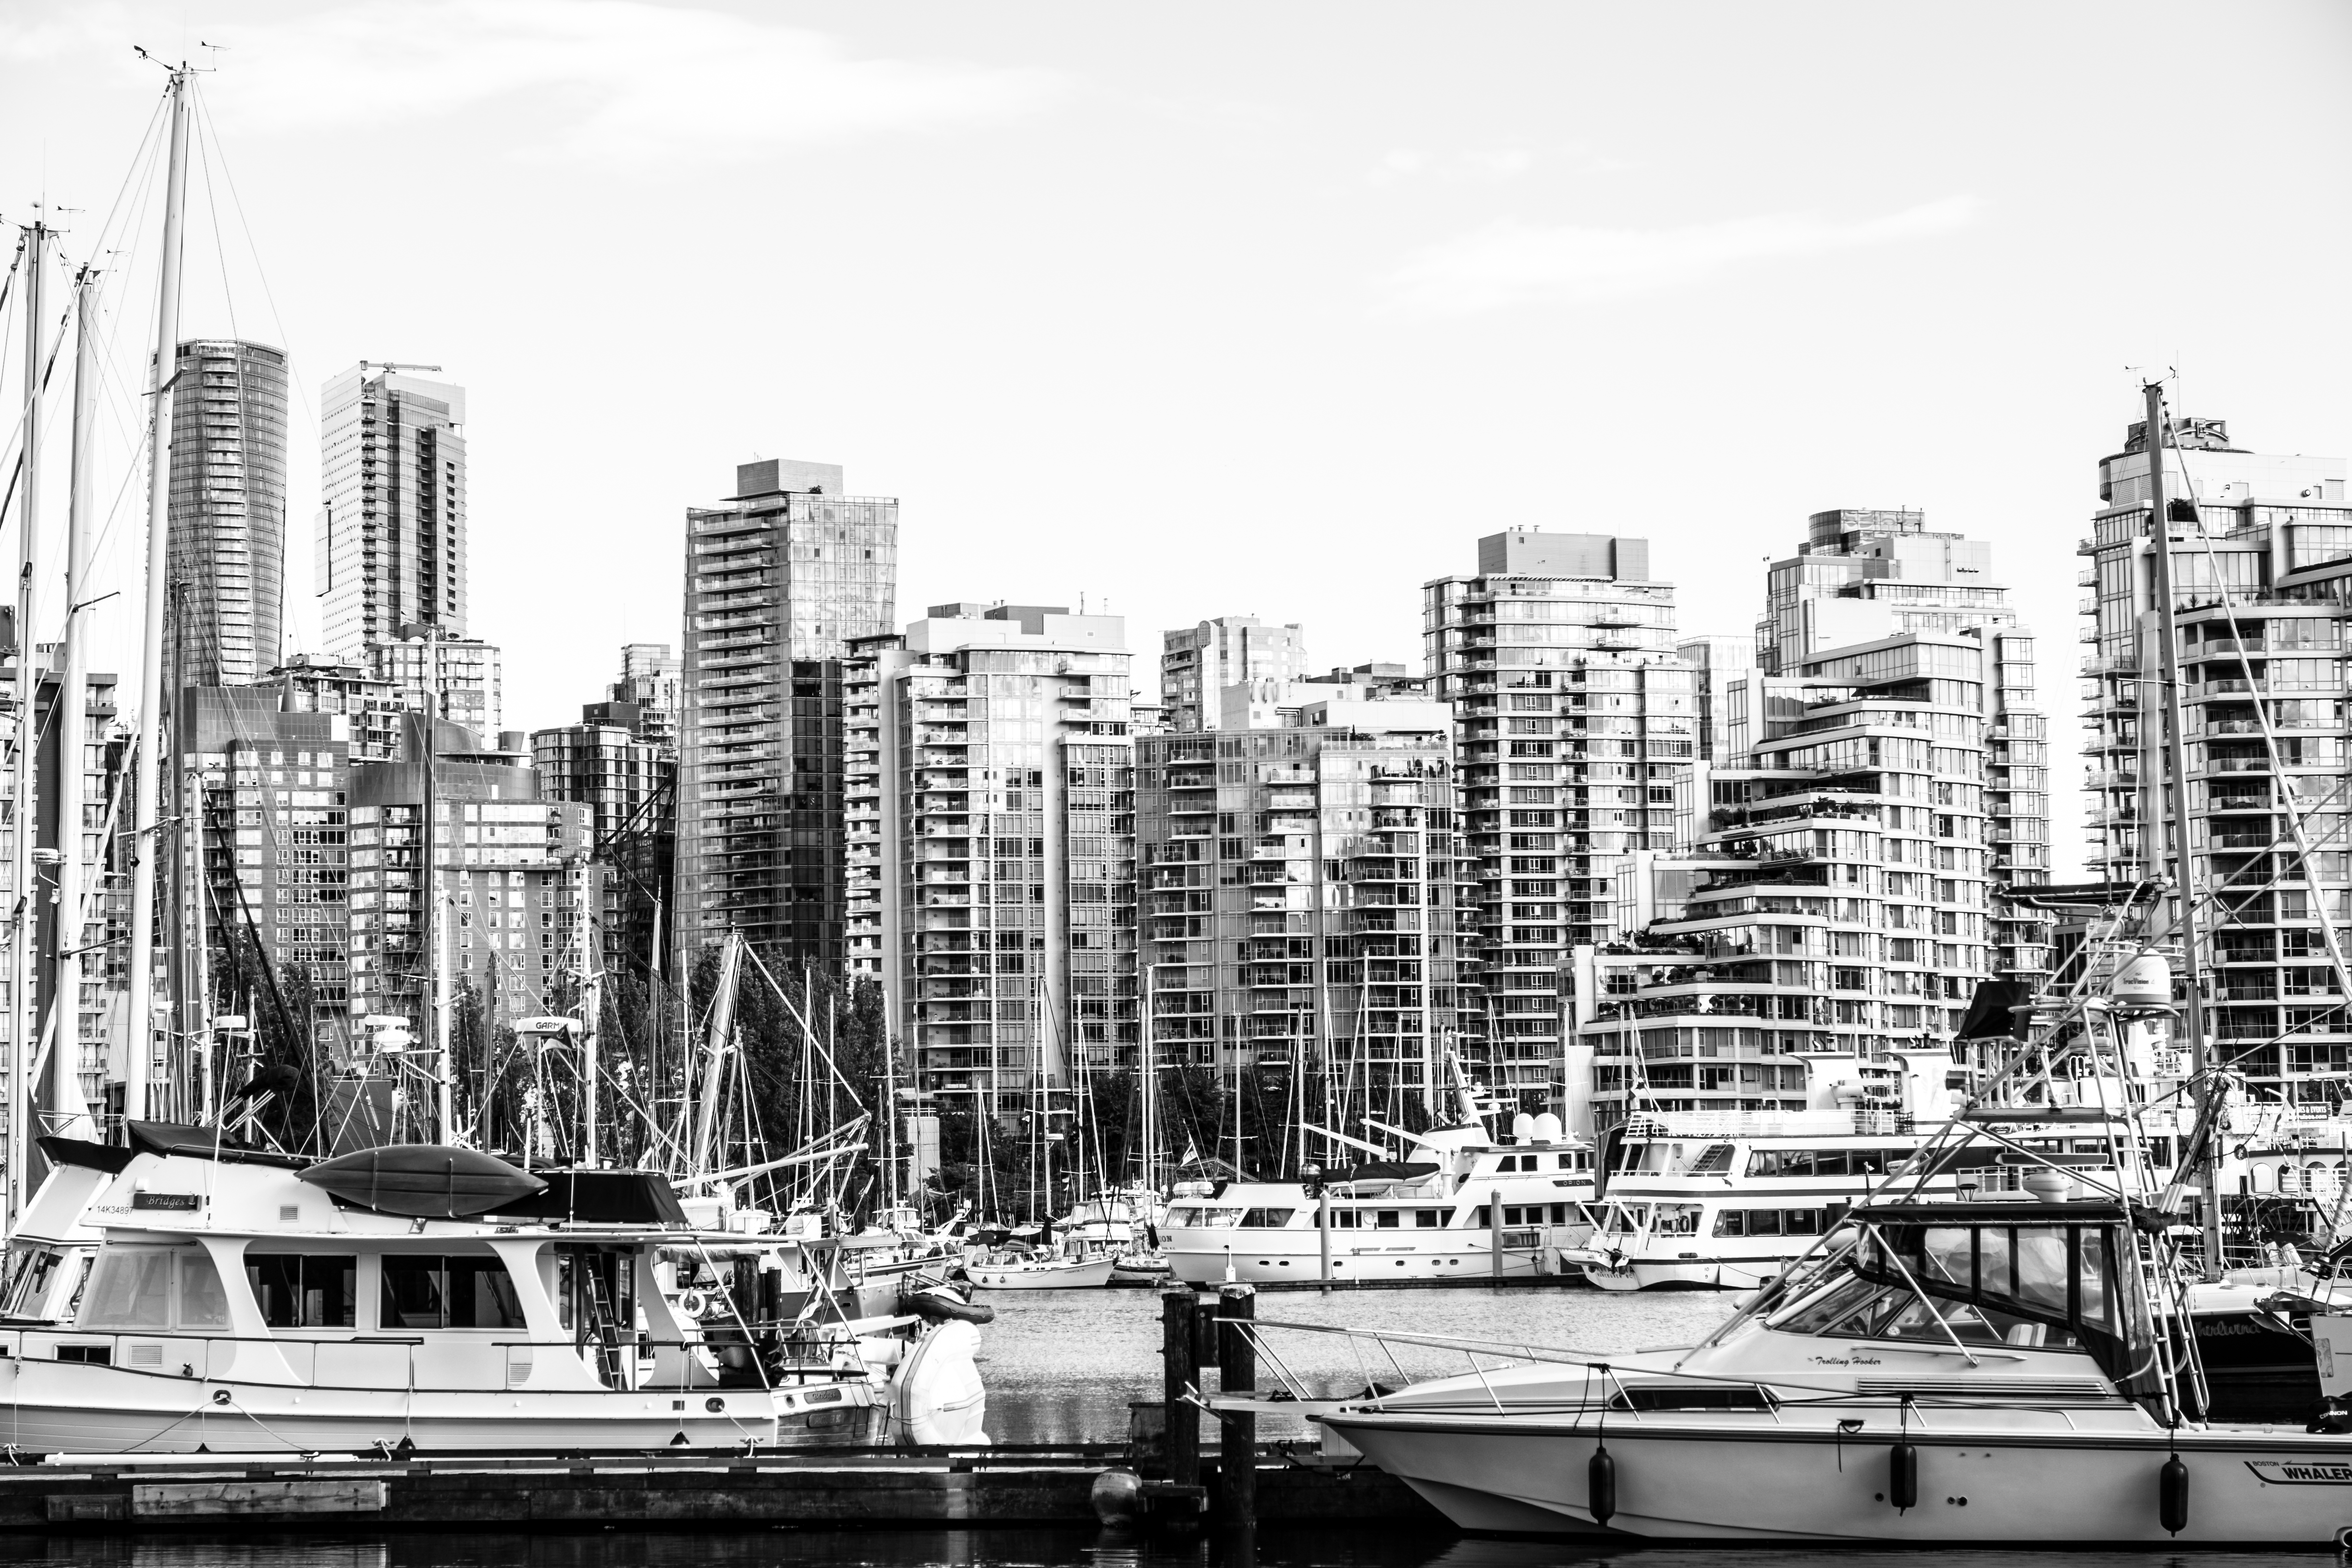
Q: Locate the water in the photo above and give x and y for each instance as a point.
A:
(1061, 1367)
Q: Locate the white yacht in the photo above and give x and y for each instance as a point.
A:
(434, 1298)
(1947, 1371)
(1726, 1200)
(1446, 1212)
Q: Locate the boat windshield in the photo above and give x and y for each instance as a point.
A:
(1857, 1309)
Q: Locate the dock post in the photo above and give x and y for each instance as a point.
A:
(1237, 1438)
(1178, 1370)
(1495, 1234)
(1323, 1223)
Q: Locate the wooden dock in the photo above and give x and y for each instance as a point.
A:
(1046, 1486)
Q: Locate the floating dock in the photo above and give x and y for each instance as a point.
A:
(964, 1488)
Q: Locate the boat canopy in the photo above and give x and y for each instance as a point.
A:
(602, 1197)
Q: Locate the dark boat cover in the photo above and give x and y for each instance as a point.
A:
(602, 1197)
(423, 1181)
(199, 1143)
(1385, 1171)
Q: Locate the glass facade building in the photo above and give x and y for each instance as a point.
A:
(2262, 550)
(990, 803)
(224, 625)
(778, 581)
(391, 544)
(1575, 717)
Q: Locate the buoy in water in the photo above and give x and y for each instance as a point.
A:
(2172, 1496)
(1117, 1497)
(1600, 1485)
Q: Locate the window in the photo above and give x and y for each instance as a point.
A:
(305, 1292)
(1427, 1219)
(132, 1289)
(447, 1293)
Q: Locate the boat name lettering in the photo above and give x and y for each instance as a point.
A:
(2280, 1473)
(179, 1201)
(1844, 1360)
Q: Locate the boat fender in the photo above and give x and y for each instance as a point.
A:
(1903, 1476)
(945, 1307)
(1600, 1485)
(2172, 1496)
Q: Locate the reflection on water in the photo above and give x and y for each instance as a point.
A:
(1325, 1548)
(1061, 1365)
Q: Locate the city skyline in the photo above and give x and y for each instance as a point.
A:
(1897, 304)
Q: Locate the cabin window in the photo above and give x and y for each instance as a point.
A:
(203, 1303)
(132, 1289)
(447, 1293)
(1388, 1220)
(1427, 1219)
(30, 1272)
(1266, 1219)
(305, 1292)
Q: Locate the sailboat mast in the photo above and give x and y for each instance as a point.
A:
(1151, 1087)
(2175, 770)
(73, 682)
(28, 684)
(146, 814)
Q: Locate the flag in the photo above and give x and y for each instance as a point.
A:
(1191, 1154)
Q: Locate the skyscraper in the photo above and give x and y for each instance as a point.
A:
(992, 813)
(778, 580)
(1298, 890)
(392, 526)
(1199, 662)
(224, 621)
(1864, 578)
(2261, 549)
(1575, 720)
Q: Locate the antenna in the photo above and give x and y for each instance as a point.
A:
(394, 365)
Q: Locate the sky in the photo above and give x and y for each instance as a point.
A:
(1219, 309)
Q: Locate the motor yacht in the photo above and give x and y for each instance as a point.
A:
(1461, 1205)
(436, 1298)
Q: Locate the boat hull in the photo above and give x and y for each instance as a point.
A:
(70, 1407)
(1090, 1274)
(1704, 1274)
(1674, 1481)
(1273, 1257)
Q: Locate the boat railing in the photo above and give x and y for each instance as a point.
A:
(374, 1362)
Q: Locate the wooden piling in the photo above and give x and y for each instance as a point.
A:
(1237, 1440)
(1179, 1370)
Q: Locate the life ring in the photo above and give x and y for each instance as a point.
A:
(694, 1304)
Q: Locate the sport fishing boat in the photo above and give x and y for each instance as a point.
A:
(1981, 1371)
(1462, 1205)
(432, 1297)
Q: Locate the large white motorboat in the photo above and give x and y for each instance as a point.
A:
(434, 1298)
(1461, 1206)
(1982, 1371)
(1726, 1200)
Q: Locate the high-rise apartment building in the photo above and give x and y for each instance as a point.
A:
(225, 619)
(1298, 893)
(1717, 659)
(272, 790)
(1199, 662)
(991, 810)
(1575, 717)
(1830, 914)
(2262, 563)
(646, 699)
(308, 685)
(391, 546)
(512, 875)
(1865, 577)
(778, 581)
(459, 679)
(627, 782)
